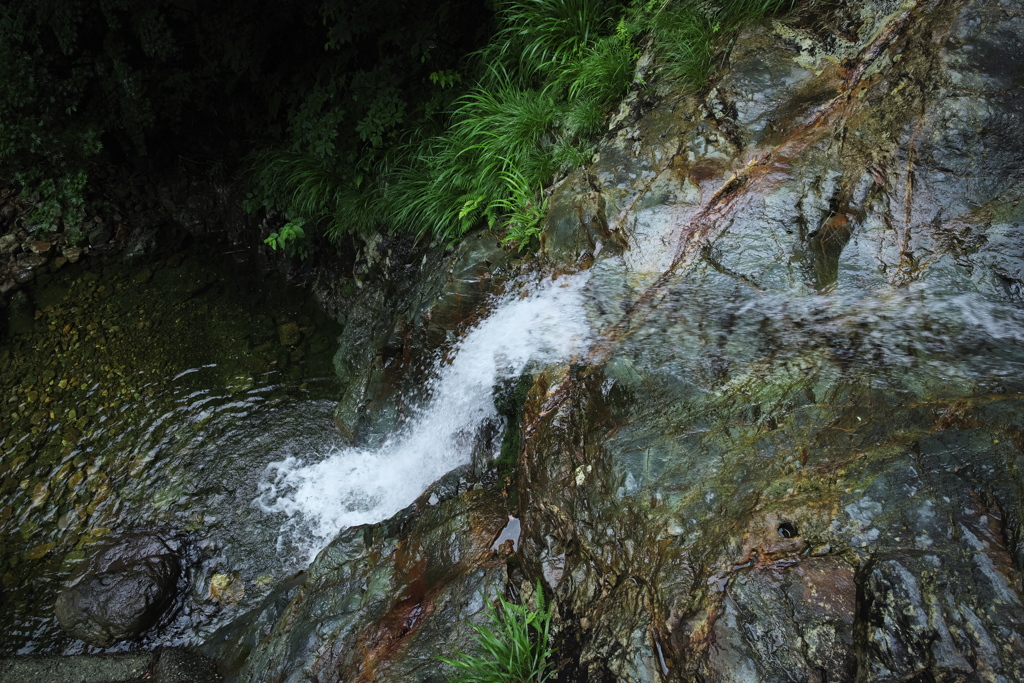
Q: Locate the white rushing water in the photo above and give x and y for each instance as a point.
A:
(320, 494)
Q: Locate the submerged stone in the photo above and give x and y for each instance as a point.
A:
(226, 588)
(121, 591)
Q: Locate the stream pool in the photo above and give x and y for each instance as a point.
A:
(152, 397)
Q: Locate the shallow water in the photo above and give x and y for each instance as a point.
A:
(152, 398)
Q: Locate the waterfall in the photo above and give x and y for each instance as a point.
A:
(320, 494)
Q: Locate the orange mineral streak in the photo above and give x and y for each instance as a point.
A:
(383, 638)
(759, 173)
(420, 584)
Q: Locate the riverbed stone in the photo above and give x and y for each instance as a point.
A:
(165, 665)
(9, 243)
(40, 551)
(183, 665)
(289, 333)
(85, 669)
(23, 275)
(100, 234)
(122, 590)
(32, 261)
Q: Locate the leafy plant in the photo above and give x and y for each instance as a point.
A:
(291, 239)
(137, 78)
(446, 78)
(513, 646)
(522, 109)
(505, 134)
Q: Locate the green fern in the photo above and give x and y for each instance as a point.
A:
(524, 206)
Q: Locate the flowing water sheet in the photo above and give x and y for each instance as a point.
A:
(320, 494)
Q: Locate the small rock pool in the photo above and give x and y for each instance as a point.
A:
(151, 398)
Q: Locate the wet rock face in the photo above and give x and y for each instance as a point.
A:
(808, 332)
(399, 319)
(787, 623)
(795, 452)
(122, 591)
(381, 602)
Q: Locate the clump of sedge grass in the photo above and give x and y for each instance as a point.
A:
(685, 32)
(546, 83)
(512, 647)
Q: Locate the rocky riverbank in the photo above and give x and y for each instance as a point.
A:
(792, 450)
(133, 213)
(125, 381)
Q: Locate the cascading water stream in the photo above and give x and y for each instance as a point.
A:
(348, 486)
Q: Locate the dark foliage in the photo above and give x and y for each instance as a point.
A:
(425, 117)
(160, 78)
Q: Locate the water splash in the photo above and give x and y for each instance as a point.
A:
(350, 486)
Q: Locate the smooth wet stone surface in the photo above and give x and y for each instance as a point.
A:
(407, 587)
(122, 590)
(394, 325)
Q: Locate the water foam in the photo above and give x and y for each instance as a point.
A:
(321, 495)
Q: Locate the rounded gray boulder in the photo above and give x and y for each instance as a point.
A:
(121, 591)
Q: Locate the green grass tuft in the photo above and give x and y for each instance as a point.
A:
(685, 32)
(539, 37)
(513, 646)
(545, 85)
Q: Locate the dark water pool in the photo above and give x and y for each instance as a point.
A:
(152, 397)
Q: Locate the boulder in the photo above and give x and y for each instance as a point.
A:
(289, 333)
(121, 591)
(9, 244)
(100, 235)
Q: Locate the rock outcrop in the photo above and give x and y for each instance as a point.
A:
(825, 339)
(794, 452)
